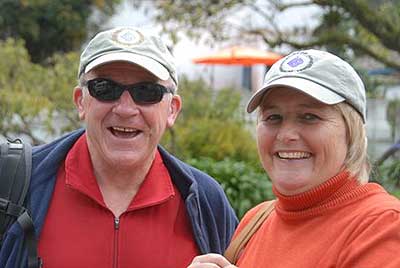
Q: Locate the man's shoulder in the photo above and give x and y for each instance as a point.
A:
(48, 156)
(60, 144)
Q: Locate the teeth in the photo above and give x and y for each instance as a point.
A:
(294, 155)
(124, 129)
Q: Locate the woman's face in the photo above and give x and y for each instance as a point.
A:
(301, 141)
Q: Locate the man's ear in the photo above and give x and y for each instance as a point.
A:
(78, 96)
(174, 109)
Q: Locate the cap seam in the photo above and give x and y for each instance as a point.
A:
(132, 52)
(305, 78)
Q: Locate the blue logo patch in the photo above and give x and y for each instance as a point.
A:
(296, 62)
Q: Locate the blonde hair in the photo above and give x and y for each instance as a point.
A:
(356, 161)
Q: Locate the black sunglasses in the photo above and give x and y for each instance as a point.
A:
(142, 93)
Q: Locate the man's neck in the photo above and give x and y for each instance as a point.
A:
(120, 186)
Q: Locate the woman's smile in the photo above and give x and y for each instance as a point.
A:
(302, 142)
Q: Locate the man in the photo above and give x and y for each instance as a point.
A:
(109, 195)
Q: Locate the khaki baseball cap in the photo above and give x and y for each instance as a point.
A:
(320, 74)
(131, 45)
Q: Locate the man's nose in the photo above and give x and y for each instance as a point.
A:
(125, 105)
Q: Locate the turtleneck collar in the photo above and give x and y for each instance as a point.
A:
(336, 191)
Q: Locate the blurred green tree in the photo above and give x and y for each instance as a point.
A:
(393, 115)
(388, 174)
(212, 124)
(49, 26)
(365, 27)
(35, 100)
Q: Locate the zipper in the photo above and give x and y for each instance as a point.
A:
(116, 223)
(116, 234)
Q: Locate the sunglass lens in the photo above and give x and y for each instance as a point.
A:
(104, 90)
(147, 93)
(142, 93)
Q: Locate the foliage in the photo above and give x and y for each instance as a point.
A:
(49, 26)
(389, 175)
(35, 100)
(244, 185)
(393, 112)
(365, 27)
(211, 124)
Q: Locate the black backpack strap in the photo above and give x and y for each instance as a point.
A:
(15, 173)
(15, 170)
(30, 240)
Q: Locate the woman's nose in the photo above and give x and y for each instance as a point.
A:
(288, 132)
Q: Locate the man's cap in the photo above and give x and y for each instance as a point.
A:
(132, 45)
(319, 74)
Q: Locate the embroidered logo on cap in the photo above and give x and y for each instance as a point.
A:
(296, 62)
(127, 37)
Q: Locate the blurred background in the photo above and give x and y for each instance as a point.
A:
(223, 50)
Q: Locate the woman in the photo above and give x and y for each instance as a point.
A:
(312, 143)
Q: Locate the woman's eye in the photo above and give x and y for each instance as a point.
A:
(310, 117)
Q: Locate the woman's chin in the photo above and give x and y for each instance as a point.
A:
(293, 184)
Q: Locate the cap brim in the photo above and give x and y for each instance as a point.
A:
(308, 87)
(147, 63)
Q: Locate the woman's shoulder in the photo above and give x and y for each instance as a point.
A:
(250, 214)
(378, 202)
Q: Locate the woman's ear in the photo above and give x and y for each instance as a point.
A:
(78, 97)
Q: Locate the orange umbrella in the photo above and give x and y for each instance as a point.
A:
(240, 56)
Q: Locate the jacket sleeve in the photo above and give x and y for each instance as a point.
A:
(217, 220)
(12, 251)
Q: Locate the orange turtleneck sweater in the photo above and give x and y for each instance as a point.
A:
(337, 224)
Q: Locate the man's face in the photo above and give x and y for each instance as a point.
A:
(122, 134)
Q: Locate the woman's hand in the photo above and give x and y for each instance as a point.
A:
(211, 260)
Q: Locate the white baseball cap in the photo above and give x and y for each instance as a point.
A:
(320, 74)
(131, 45)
